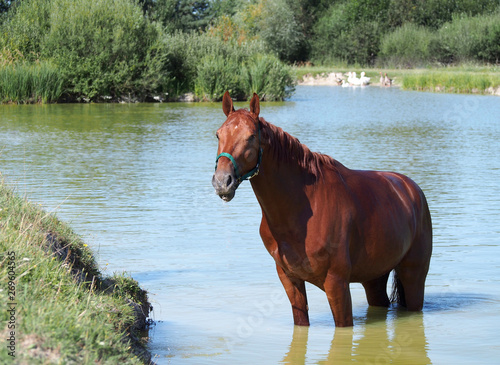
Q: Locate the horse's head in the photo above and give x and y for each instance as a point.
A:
(239, 153)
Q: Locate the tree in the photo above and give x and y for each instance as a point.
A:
(184, 15)
(5, 5)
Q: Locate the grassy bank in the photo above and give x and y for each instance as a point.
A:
(458, 79)
(452, 81)
(65, 311)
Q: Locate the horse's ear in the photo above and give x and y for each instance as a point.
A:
(254, 105)
(227, 104)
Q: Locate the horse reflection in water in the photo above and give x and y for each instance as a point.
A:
(324, 223)
(380, 341)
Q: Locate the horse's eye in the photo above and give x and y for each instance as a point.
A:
(217, 135)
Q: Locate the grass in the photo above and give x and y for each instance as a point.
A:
(452, 82)
(30, 83)
(466, 78)
(65, 311)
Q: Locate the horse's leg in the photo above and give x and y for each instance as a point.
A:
(376, 291)
(296, 292)
(339, 297)
(412, 272)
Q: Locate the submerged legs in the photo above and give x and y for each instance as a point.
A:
(296, 292)
(339, 296)
(376, 291)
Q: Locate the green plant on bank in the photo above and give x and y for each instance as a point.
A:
(456, 82)
(464, 39)
(467, 39)
(134, 50)
(409, 46)
(61, 314)
(266, 76)
(261, 74)
(109, 48)
(216, 75)
(36, 82)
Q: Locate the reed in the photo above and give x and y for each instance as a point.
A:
(39, 82)
(452, 82)
(261, 73)
(266, 76)
(215, 75)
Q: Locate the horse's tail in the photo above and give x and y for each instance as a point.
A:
(398, 292)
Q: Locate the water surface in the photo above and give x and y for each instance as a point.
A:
(135, 181)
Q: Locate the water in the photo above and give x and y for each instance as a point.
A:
(135, 181)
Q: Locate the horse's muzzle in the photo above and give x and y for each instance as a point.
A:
(225, 185)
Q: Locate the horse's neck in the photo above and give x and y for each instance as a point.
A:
(280, 190)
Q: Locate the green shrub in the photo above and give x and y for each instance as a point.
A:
(266, 76)
(470, 39)
(108, 47)
(338, 39)
(98, 45)
(210, 66)
(279, 29)
(215, 75)
(25, 27)
(408, 46)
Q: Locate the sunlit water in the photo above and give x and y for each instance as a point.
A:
(135, 182)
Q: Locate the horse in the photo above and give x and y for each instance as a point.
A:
(324, 223)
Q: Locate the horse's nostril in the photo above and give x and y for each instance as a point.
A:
(229, 180)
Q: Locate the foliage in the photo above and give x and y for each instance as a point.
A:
(183, 15)
(280, 30)
(457, 81)
(266, 76)
(35, 82)
(209, 65)
(355, 31)
(25, 28)
(464, 39)
(409, 46)
(338, 38)
(99, 45)
(470, 39)
(6, 5)
(215, 75)
(277, 25)
(137, 49)
(262, 74)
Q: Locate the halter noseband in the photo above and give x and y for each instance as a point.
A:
(253, 172)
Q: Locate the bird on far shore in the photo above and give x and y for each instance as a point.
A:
(363, 79)
(387, 80)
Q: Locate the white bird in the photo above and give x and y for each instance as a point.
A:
(349, 77)
(363, 79)
(354, 80)
(345, 83)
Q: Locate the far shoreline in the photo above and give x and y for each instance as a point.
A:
(459, 80)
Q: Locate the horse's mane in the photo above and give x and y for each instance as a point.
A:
(286, 148)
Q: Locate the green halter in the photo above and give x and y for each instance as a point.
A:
(253, 172)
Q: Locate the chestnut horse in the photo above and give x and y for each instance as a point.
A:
(324, 223)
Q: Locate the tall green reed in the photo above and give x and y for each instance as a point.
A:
(30, 83)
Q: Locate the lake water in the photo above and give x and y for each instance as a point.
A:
(135, 182)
